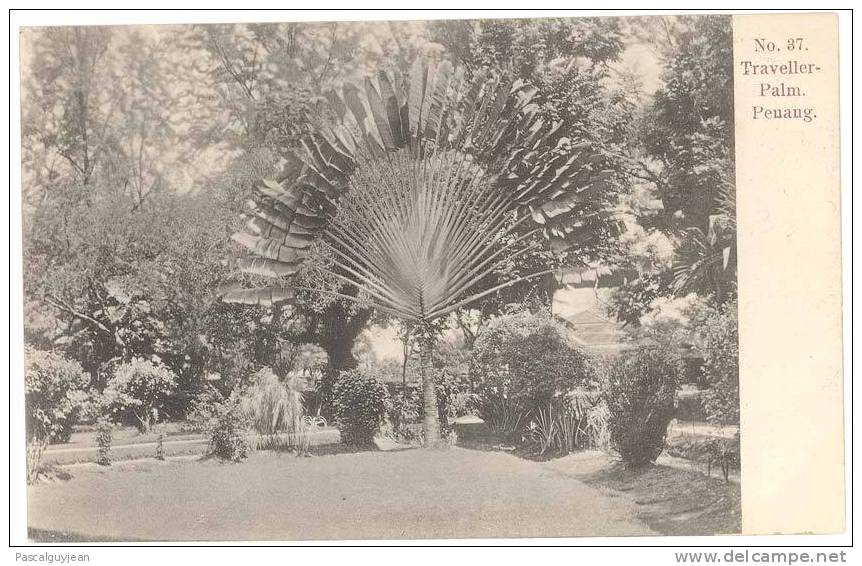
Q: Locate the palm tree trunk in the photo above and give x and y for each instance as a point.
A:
(430, 420)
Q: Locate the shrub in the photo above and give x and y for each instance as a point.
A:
(138, 390)
(404, 413)
(712, 451)
(568, 423)
(503, 416)
(359, 406)
(55, 395)
(453, 399)
(274, 407)
(598, 429)
(639, 391)
(104, 439)
(227, 430)
(720, 336)
(527, 360)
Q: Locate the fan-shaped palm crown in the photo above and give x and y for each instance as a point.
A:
(421, 189)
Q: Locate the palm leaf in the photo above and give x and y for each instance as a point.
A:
(419, 197)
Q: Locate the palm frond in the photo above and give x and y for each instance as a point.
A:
(423, 188)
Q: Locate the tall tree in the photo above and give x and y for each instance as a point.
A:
(683, 210)
(273, 77)
(405, 195)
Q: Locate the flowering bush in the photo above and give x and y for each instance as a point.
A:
(138, 390)
(55, 390)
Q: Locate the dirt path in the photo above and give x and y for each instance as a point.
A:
(454, 493)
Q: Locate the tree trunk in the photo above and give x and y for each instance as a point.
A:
(144, 422)
(430, 419)
(338, 333)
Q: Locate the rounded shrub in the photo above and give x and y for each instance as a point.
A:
(639, 389)
(528, 357)
(359, 403)
(137, 391)
(55, 390)
(522, 362)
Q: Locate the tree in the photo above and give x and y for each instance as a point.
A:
(404, 197)
(68, 108)
(688, 130)
(139, 389)
(570, 62)
(685, 163)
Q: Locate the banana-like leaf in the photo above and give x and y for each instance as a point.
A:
(421, 191)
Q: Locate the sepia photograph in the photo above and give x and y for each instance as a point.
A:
(381, 280)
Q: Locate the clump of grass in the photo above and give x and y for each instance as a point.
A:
(275, 410)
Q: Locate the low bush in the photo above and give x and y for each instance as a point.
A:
(228, 430)
(639, 390)
(721, 453)
(571, 422)
(526, 366)
(104, 439)
(55, 393)
(359, 403)
(504, 417)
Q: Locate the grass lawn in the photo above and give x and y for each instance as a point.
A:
(128, 444)
(449, 493)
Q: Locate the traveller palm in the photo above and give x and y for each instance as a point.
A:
(418, 193)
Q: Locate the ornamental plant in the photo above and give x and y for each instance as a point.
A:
(55, 394)
(417, 194)
(359, 406)
(138, 390)
(639, 389)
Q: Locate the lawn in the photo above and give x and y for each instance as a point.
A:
(128, 444)
(413, 494)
